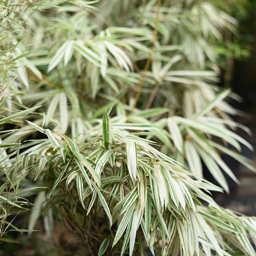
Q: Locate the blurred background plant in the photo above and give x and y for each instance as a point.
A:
(109, 111)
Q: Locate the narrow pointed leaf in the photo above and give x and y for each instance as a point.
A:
(57, 57)
(131, 150)
(106, 126)
(18, 114)
(175, 132)
(80, 188)
(123, 224)
(103, 246)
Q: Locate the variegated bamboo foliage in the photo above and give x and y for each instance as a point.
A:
(77, 69)
(121, 144)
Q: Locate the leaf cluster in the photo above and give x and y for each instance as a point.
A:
(107, 111)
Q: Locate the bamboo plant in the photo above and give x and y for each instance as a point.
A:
(108, 109)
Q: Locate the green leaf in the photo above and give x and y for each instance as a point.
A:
(68, 53)
(217, 221)
(209, 232)
(80, 188)
(161, 219)
(58, 56)
(103, 59)
(193, 158)
(104, 203)
(92, 201)
(102, 161)
(151, 112)
(18, 114)
(35, 126)
(81, 159)
(36, 210)
(148, 212)
(113, 192)
(70, 177)
(212, 129)
(32, 67)
(171, 186)
(135, 225)
(41, 166)
(83, 171)
(87, 53)
(9, 202)
(60, 177)
(110, 180)
(175, 132)
(7, 240)
(103, 246)
(243, 160)
(106, 127)
(127, 236)
(129, 200)
(87, 192)
(121, 57)
(211, 104)
(128, 216)
(214, 169)
(54, 142)
(3, 145)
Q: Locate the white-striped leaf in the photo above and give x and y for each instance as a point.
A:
(143, 192)
(92, 201)
(129, 200)
(81, 159)
(217, 221)
(80, 188)
(163, 190)
(171, 187)
(127, 236)
(102, 161)
(209, 232)
(52, 107)
(193, 158)
(68, 53)
(151, 112)
(70, 177)
(83, 171)
(104, 203)
(161, 219)
(57, 57)
(32, 67)
(21, 113)
(123, 224)
(54, 142)
(135, 224)
(131, 150)
(211, 104)
(148, 212)
(175, 132)
(214, 169)
(36, 210)
(87, 53)
(103, 59)
(9, 202)
(103, 246)
(121, 57)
